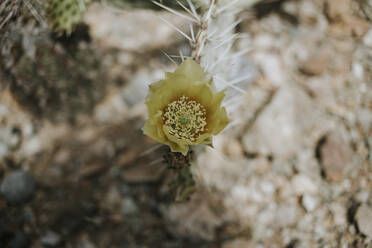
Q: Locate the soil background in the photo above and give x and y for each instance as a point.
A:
(295, 170)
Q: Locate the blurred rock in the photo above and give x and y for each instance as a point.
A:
(194, 218)
(18, 187)
(138, 30)
(339, 213)
(363, 196)
(367, 40)
(237, 243)
(367, 8)
(137, 88)
(314, 65)
(272, 66)
(85, 244)
(309, 202)
(303, 184)
(111, 109)
(364, 219)
(128, 206)
(50, 238)
(358, 26)
(232, 148)
(147, 173)
(337, 9)
(283, 126)
(343, 20)
(335, 154)
(285, 215)
(365, 119)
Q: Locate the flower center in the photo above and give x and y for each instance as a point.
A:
(186, 118)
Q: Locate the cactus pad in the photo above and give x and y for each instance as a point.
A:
(65, 14)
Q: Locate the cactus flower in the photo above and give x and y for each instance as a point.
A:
(183, 110)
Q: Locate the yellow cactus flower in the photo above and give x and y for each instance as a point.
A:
(183, 110)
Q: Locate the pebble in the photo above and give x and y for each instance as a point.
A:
(309, 202)
(315, 65)
(280, 130)
(367, 8)
(339, 213)
(367, 40)
(362, 196)
(85, 244)
(128, 206)
(286, 215)
(364, 220)
(337, 9)
(232, 148)
(335, 154)
(237, 243)
(153, 34)
(18, 187)
(3, 150)
(50, 238)
(303, 184)
(365, 119)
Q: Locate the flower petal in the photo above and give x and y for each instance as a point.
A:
(152, 128)
(192, 70)
(177, 145)
(205, 139)
(218, 121)
(188, 80)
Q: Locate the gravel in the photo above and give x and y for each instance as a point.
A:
(364, 220)
(18, 187)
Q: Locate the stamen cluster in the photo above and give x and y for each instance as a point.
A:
(186, 118)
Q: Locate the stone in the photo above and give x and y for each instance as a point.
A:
(286, 215)
(314, 65)
(128, 206)
(335, 155)
(339, 213)
(302, 184)
(237, 243)
(150, 172)
(194, 218)
(364, 219)
(3, 150)
(364, 116)
(343, 22)
(138, 85)
(309, 202)
(86, 244)
(272, 66)
(363, 196)
(111, 109)
(283, 126)
(358, 26)
(338, 9)
(367, 40)
(50, 238)
(139, 30)
(18, 187)
(367, 8)
(232, 148)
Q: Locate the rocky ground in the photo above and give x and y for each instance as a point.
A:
(295, 170)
